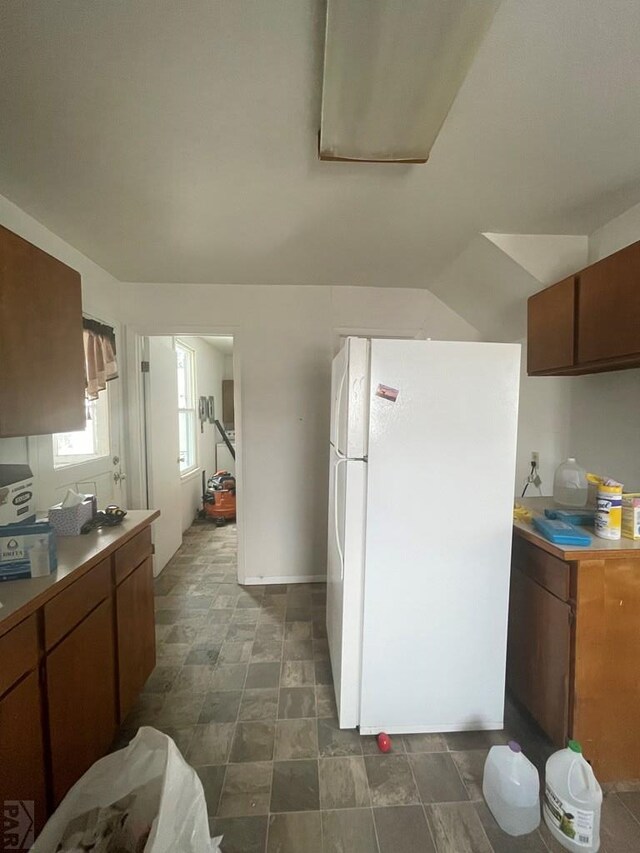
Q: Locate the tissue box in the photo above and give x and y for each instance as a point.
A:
(68, 520)
(16, 540)
(631, 516)
(17, 504)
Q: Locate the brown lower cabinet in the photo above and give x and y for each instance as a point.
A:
(73, 667)
(539, 654)
(573, 652)
(22, 757)
(81, 692)
(136, 633)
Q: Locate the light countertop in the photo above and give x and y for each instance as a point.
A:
(76, 555)
(601, 549)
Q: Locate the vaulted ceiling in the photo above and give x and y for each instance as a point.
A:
(177, 141)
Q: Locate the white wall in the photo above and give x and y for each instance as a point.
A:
(543, 426)
(616, 234)
(100, 294)
(209, 374)
(284, 338)
(228, 368)
(605, 425)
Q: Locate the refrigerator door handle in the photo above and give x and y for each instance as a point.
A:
(335, 515)
(337, 412)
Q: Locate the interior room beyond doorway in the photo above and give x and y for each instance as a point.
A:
(190, 434)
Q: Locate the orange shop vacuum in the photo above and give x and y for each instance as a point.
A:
(219, 497)
(219, 493)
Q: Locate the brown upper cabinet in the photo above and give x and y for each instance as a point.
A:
(590, 322)
(550, 327)
(41, 350)
(609, 308)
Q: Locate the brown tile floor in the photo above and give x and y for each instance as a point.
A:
(243, 685)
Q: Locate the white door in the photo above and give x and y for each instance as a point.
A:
(438, 542)
(345, 578)
(87, 461)
(349, 399)
(163, 449)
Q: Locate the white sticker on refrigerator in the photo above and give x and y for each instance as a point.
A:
(387, 393)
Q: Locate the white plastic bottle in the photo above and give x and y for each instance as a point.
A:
(570, 487)
(511, 787)
(572, 800)
(39, 559)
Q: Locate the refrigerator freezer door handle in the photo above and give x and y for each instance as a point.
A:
(335, 516)
(337, 412)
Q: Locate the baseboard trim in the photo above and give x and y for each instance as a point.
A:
(438, 727)
(281, 579)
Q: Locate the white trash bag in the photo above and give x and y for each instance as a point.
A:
(144, 798)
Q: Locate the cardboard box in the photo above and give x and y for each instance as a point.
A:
(17, 500)
(16, 540)
(631, 516)
(68, 521)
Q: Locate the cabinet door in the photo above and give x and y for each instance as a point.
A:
(82, 698)
(538, 654)
(22, 768)
(609, 307)
(41, 350)
(136, 634)
(550, 328)
(228, 415)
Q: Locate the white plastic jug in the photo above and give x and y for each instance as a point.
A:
(570, 487)
(511, 788)
(572, 800)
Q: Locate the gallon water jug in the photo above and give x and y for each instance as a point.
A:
(511, 788)
(572, 800)
(570, 486)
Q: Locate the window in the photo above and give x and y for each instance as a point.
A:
(93, 442)
(186, 408)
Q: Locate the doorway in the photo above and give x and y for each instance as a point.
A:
(189, 430)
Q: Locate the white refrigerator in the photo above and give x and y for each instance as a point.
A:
(423, 444)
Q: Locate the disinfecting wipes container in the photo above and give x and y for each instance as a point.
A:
(608, 521)
(572, 800)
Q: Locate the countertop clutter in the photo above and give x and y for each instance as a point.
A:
(76, 556)
(604, 549)
(574, 645)
(77, 647)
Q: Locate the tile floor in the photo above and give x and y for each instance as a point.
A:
(243, 685)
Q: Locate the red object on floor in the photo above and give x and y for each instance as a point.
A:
(384, 742)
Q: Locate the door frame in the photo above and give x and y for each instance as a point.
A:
(135, 412)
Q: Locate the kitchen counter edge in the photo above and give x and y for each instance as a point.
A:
(600, 549)
(21, 598)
